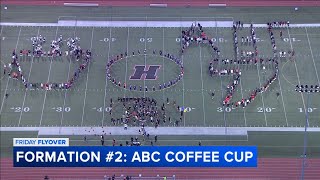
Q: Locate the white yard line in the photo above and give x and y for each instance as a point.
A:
(221, 86)
(163, 61)
(1, 30)
(263, 104)
(25, 93)
(295, 64)
(283, 104)
(244, 110)
(184, 117)
(105, 88)
(145, 57)
(65, 93)
(203, 106)
(5, 92)
(238, 131)
(126, 74)
(241, 90)
(284, 107)
(314, 64)
(85, 92)
(45, 94)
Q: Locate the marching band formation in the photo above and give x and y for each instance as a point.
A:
(74, 51)
(134, 87)
(194, 34)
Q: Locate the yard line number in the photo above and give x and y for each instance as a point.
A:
(212, 39)
(224, 109)
(259, 109)
(101, 109)
(20, 109)
(292, 39)
(267, 109)
(146, 39)
(186, 109)
(310, 110)
(250, 40)
(60, 109)
(107, 39)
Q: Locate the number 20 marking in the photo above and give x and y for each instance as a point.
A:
(267, 109)
(20, 109)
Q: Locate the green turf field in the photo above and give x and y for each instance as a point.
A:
(87, 103)
(81, 105)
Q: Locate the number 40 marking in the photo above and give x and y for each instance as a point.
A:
(267, 109)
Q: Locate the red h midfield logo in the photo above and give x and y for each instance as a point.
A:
(143, 72)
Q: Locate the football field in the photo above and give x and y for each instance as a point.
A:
(88, 102)
(111, 32)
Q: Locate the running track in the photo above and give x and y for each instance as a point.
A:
(268, 168)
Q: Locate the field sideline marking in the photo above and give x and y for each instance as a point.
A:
(5, 92)
(65, 94)
(295, 64)
(152, 131)
(158, 24)
(25, 93)
(85, 92)
(105, 89)
(120, 90)
(177, 140)
(314, 64)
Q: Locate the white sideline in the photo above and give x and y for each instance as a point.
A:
(158, 5)
(242, 131)
(217, 5)
(81, 4)
(160, 24)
